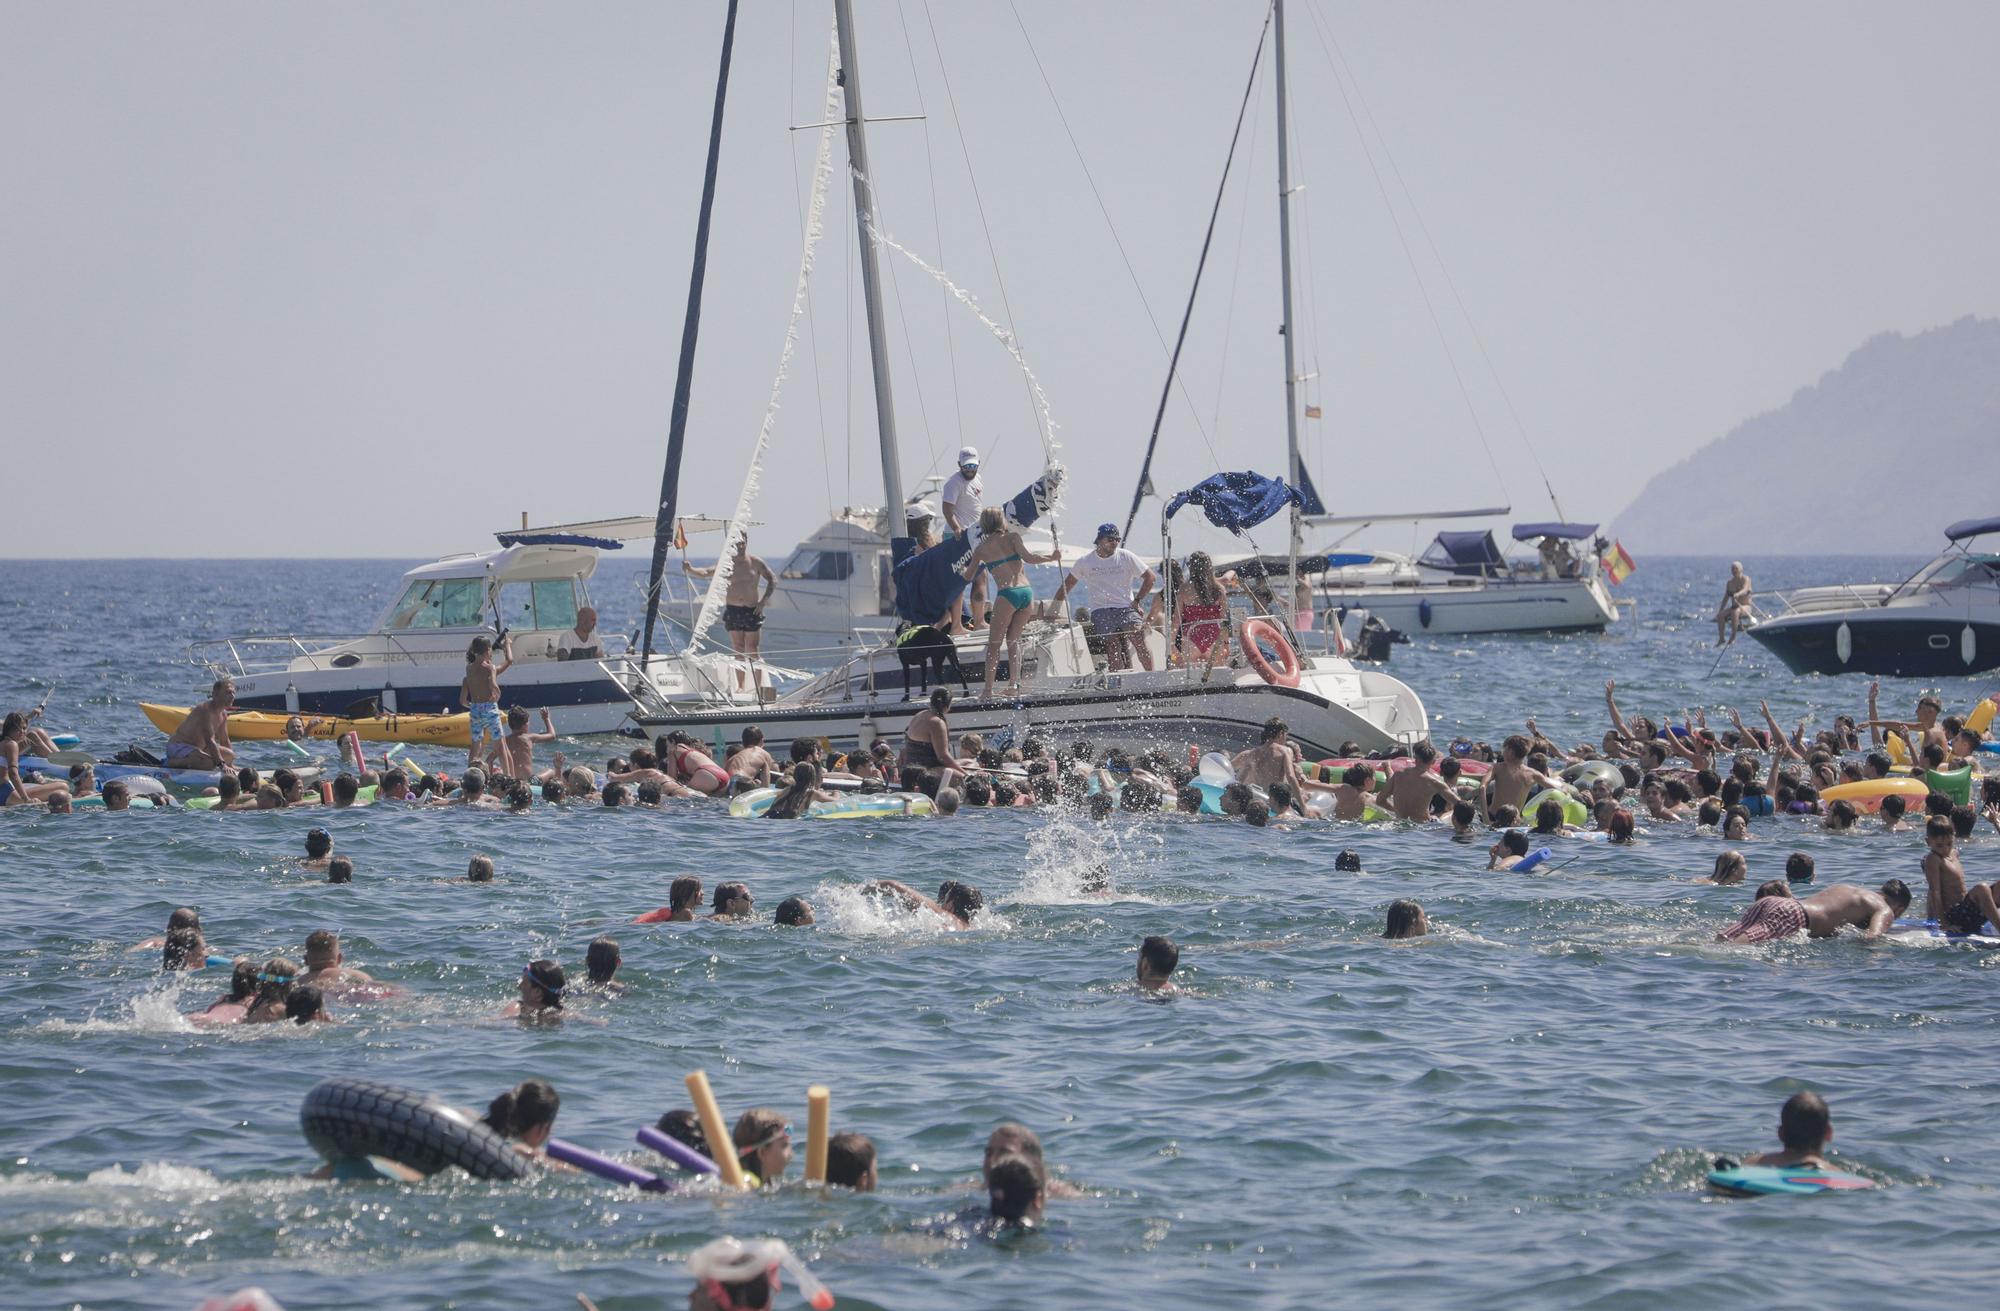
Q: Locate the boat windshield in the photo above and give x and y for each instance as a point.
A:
(823, 566)
(1952, 572)
(549, 604)
(440, 603)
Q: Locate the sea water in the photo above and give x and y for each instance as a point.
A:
(1514, 1112)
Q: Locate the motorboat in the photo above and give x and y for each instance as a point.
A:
(1463, 584)
(412, 660)
(1943, 621)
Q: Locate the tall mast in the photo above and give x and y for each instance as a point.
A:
(871, 274)
(1292, 466)
(670, 478)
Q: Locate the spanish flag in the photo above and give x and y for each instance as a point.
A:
(1617, 562)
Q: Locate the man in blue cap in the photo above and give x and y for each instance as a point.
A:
(963, 496)
(1107, 575)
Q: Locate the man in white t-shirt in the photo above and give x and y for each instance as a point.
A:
(964, 494)
(1107, 575)
(581, 642)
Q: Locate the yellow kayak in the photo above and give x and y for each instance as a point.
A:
(268, 726)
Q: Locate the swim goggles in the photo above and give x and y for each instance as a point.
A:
(553, 989)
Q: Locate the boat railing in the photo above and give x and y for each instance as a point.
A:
(249, 655)
(1814, 600)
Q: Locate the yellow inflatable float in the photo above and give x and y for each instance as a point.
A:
(1868, 793)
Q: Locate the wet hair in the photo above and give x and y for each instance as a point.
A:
(1894, 805)
(116, 789)
(552, 792)
(248, 780)
(1774, 888)
(1730, 867)
(753, 736)
(517, 717)
(549, 977)
(480, 869)
(978, 792)
(601, 960)
(1710, 814)
(1283, 798)
(1274, 728)
(796, 798)
(849, 1158)
(793, 912)
(1620, 825)
(1708, 781)
(285, 780)
(1505, 816)
(754, 1129)
(1843, 815)
(478, 649)
(684, 1127)
(1463, 812)
(649, 793)
(1963, 820)
(394, 779)
(183, 950)
(1804, 1122)
(1012, 1186)
(340, 870)
(184, 917)
(1188, 799)
(1004, 793)
(1732, 792)
(1405, 917)
(1159, 956)
(1934, 755)
(948, 801)
(1549, 816)
(1357, 776)
(1514, 842)
(1678, 792)
(243, 979)
(615, 794)
(961, 899)
(1799, 867)
(1935, 803)
(346, 788)
(1256, 814)
(1348, 862)
(684, 893)
(526, 1106)
(227, 789)
(1139, 796)
(1897, 894)
(306, 1004)
(274, 982)
(1938, 826)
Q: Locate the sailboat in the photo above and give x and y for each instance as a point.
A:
(1066, 689)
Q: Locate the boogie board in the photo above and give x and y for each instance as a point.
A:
(858, 805)
(1930, 929)
(1783, 1180)
(173, 778)
(364, 797)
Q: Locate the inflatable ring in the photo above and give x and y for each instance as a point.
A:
(1575, 813)
(1867, 794)
(1286, 672)
(348, 1118)
(1586, 772)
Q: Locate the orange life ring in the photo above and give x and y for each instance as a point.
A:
(1286, 672)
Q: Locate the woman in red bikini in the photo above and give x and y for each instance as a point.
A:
(690, 766)
(1202, 614)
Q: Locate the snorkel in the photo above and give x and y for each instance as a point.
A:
(727, 1264)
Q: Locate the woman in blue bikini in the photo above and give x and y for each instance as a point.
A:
(1002, 554)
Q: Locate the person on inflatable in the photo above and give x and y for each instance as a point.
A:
(525, 1115)
(1805, 1127)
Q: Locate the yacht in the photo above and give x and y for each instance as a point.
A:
(413, 659)
(1462, 584)
(1943, 621)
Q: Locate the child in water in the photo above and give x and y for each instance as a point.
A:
(1956, 907)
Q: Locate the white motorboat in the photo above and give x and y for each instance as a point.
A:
(413, 659)
(1942, 622)
(1462, 584)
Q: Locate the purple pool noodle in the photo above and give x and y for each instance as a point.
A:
(603, 1166)
(687, 1158)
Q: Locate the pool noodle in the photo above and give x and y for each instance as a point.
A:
(603, 1166)
(687, 1158)
(818, 1105)
(219, 962)
(728, 1166)
(1533, 858)
(296, 747)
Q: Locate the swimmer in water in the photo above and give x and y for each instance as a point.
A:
(732, 902)
(516, 751)
(1010, 1138)
(307, 1005)
(1463, 813)
(479, 870)
(235, 1004)
(1508, 851)
(1411, 792)
(541, 999)
(1511, 781)
(184, 949)
(1406, 920)
(1158, 959)
(525, 1115)
(1957, 907)
(956, 902)
(339, 869)
(750, 765)
(601, 960)
(1017, 1190)
(1773, 915)
(850, 1162)
(794, 912)
(183, 917)
(683, 898)
(327, 968)
(763, 1141)
(1805, 1127)
(1730, 867)
(1844, 905)
(274, 989)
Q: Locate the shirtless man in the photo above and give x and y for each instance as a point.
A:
(1409, 791)
(750, 764)
(1735, 608)
(956, 901)
(1919, 732)
(743, 604)
(1844, 904)
(1272, 761)
(1511, 781)
(581, 642)
(325, 967)
(1805, 1127)
(202, 740)
(517, 749)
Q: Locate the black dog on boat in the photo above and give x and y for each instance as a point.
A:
(927, 648)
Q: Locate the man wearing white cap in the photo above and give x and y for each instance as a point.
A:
(964, 494)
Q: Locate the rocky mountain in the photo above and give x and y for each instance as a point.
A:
(1874, 458)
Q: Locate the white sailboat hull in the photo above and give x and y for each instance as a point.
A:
(1482, 606)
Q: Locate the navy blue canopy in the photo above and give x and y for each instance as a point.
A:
(559, 539)
(928, 583)
(1569, 532)
(1464, 553)
(1237, 501)
(1965, 528)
